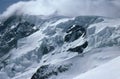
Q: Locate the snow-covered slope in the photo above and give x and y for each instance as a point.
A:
(77, 65)
(51, 52)
(109, 70)
(105, 33)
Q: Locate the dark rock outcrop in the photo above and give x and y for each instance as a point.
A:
(74, 32)
(79, 49)
(46, 71)
(11, 30)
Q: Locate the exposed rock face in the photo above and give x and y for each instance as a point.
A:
(73, 33)
(12, 30)
(46, 71)
(79, 49)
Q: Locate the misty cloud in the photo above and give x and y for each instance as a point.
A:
(108, 8)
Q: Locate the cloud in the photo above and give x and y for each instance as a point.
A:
(108, 8)
(88, 7)
(14, 9)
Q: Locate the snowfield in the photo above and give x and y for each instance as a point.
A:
(45, 53)
(109, 70)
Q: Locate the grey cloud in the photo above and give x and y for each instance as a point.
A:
(108, 8)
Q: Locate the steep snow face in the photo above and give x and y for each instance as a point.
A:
(109, 70)
(78, 64)
(3, 75)
(49, 40)
(52, 51)
(93, 57)
(104, 34)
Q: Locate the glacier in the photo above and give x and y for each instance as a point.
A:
(50, 47)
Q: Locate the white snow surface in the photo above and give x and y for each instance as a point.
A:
(88, 62)
(110, 70)
(99, 61)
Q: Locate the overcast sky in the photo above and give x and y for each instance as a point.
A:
(109, 8)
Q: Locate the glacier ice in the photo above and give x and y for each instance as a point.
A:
(46, 47)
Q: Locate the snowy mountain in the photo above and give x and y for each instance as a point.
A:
(38, 47)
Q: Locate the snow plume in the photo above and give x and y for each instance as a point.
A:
(30, 8)
(108, 8)
(13, 9)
